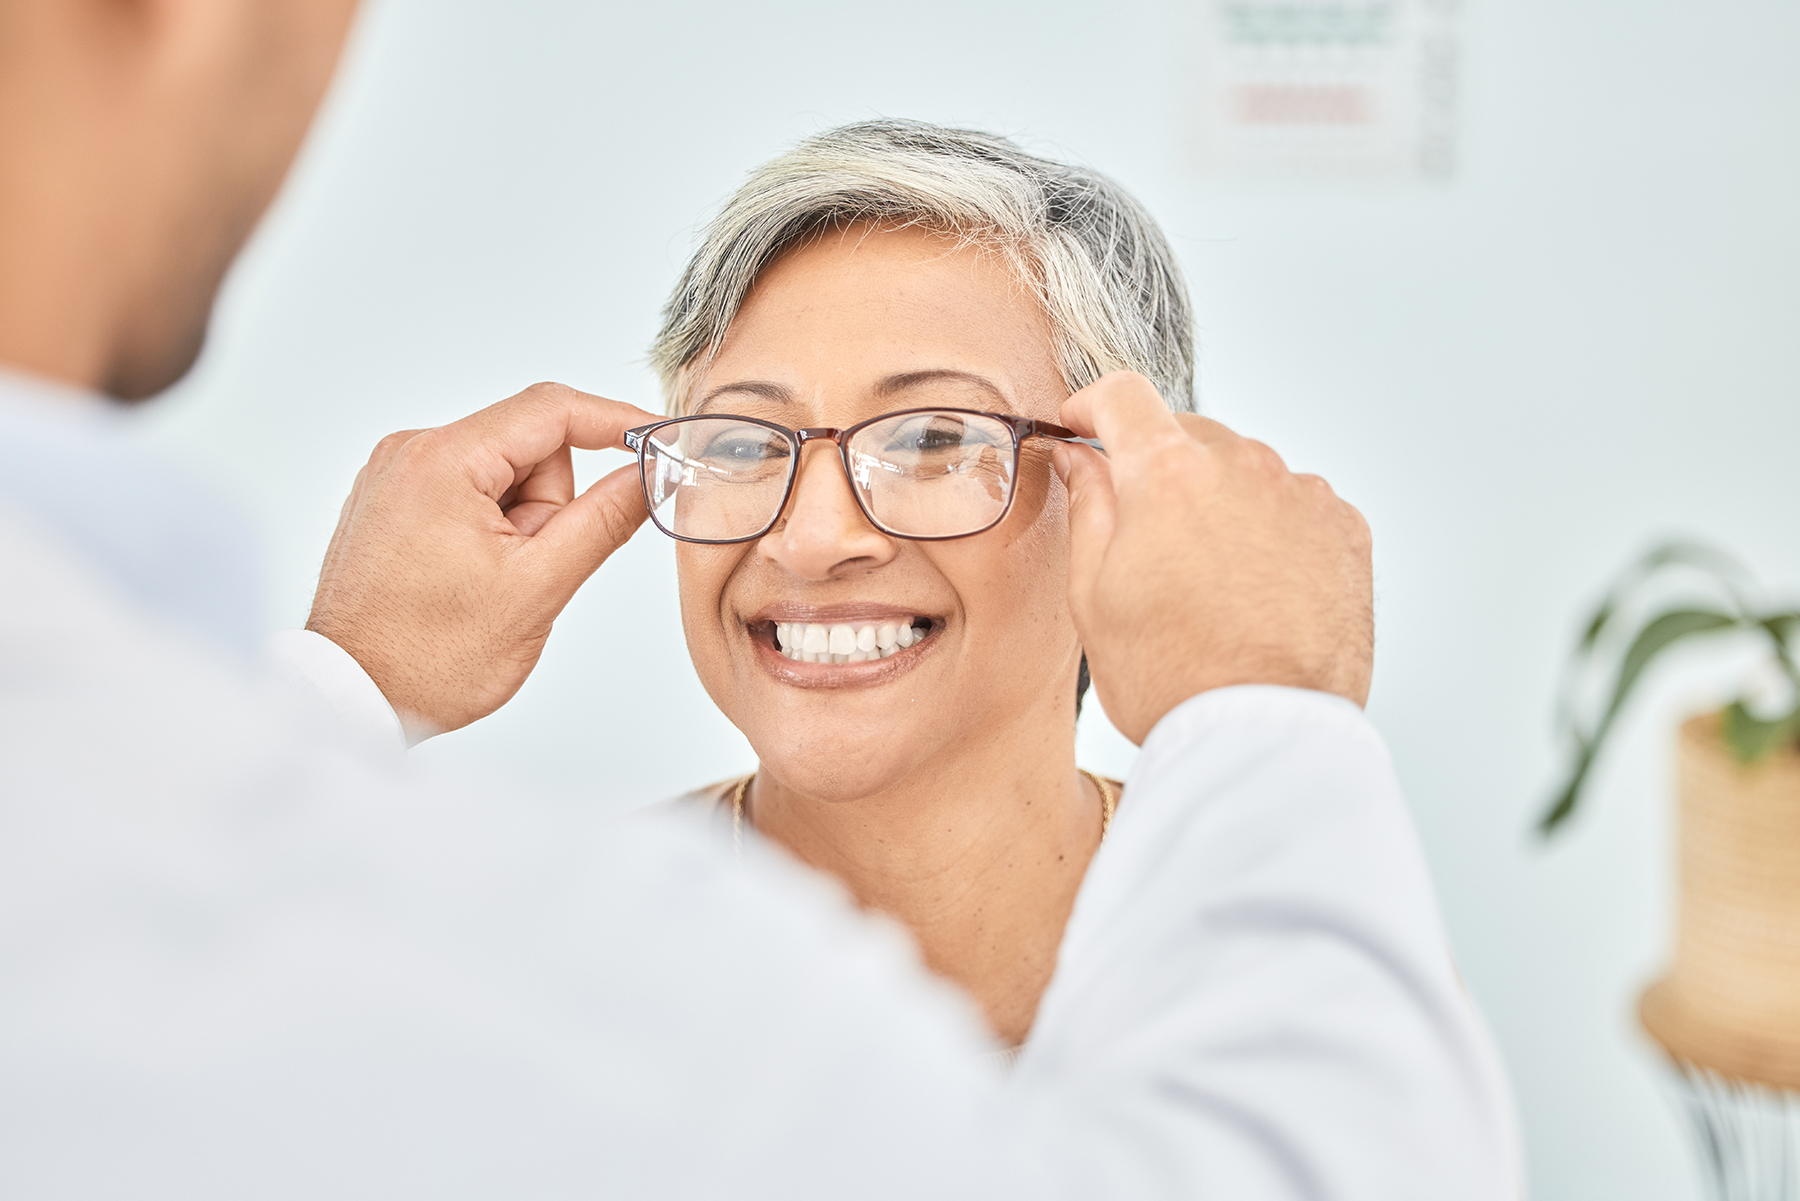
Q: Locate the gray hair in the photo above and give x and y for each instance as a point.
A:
(1095, 259)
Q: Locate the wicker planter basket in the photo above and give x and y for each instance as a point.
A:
(1730, 1001)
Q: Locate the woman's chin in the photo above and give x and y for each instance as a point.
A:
(799, 768)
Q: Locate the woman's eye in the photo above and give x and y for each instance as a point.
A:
(741, 448)
(925, 437)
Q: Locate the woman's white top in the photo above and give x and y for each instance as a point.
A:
(246, 951)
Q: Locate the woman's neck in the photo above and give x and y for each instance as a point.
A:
(979, 855)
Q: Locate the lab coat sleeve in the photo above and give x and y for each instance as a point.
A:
(1255, 997)
(327, 675)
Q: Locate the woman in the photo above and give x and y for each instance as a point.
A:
(879, 602)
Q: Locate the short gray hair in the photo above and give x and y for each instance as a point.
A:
(1096, 260)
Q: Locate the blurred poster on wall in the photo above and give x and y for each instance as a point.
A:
(1327, 88)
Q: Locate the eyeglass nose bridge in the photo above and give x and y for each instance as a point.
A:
(822, 433)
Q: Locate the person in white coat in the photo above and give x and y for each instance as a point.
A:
(245, 950)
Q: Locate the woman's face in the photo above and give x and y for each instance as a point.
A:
(857, 324)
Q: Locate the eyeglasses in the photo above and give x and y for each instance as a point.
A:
(925, 474)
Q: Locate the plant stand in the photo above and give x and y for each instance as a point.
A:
(1747, 1136)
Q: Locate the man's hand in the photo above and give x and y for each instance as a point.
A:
(1198, 561)
(459, 546)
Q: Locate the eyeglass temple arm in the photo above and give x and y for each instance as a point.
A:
(1048, 429)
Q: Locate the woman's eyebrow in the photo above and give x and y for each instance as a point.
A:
(889, 387)
(779, 393)
(894, 384)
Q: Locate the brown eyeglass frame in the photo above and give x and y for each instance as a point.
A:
(638, 439)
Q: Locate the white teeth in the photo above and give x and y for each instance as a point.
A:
(812, 642)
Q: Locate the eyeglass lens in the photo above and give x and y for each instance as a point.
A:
(919, 475)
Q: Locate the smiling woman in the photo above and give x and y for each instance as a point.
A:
(865, 361)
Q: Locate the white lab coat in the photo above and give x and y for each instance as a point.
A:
(247, 951)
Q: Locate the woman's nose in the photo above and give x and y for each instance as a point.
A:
(822, 532)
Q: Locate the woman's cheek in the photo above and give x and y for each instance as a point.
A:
(700, 588)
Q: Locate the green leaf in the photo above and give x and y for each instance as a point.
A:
(1725, 571)
(1750, 738)
(1781, 627)
(1735, 610)
(1716, 563)
(1597, 625)
(1652, 640)
(1564, 804)
(1656, 636)
(1710, 559)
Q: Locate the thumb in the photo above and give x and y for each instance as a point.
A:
(1092, 513)
(585, 532)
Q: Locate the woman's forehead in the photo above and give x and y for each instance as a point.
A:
(888, 315)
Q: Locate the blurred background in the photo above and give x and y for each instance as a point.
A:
(1573, 328)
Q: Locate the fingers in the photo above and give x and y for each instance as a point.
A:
(1130, 407)
(1092, 514)
(584, 533)
(549, 487)
(1123, 410)
(527, 427)
(503, 443)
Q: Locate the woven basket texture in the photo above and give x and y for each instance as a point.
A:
(1730, 1001)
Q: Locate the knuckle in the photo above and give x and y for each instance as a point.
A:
(547, 393)
(388, 446)
(422, 442)
(1261, 458)
(547, 402)
(394, 448)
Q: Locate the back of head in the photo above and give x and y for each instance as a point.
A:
(140, 142)
(1101, 268)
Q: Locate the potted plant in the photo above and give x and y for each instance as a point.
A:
(1727, 1010)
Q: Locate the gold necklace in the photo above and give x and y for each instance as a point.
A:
(1109, 801)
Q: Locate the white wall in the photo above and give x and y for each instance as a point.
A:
(1589, 337)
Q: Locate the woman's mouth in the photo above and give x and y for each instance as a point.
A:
(848, 642)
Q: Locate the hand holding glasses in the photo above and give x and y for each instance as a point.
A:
(924, 474)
